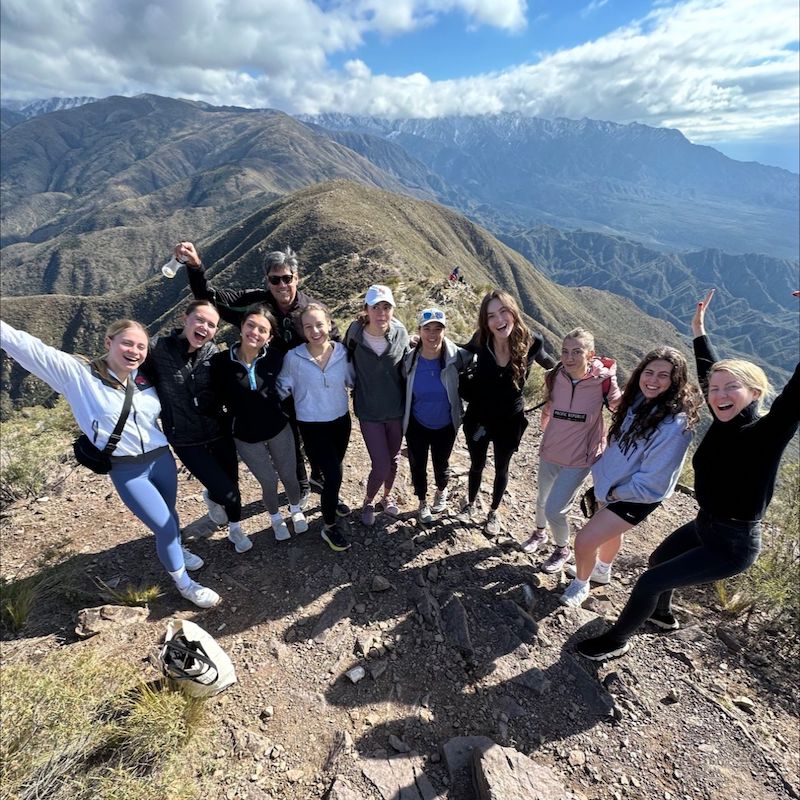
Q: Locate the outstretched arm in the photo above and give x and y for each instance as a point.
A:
(704, 353)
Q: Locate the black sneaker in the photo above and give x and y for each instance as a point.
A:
(602, 647)
(342, 509)
(334, 538)
(316, 482)
(664, 620)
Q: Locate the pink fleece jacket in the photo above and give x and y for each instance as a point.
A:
(572, 419)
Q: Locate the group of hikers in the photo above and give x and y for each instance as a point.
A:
(280, 396)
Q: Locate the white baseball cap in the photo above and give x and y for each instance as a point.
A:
(428, 315)
(378, 293)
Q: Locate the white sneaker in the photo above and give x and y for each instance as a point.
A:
(241, 541)
(492, 527)
(191, 561)
(216, 512)
(299, 522)
(439, 501)
(281, 530)
(201, 596)
(425, 516)
(599, 576)
(575, 595)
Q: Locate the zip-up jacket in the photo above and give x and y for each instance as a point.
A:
(379, 391)
(736, 463)
(250, 394)
(232, 303)
(183, 382)
(93, 393)
(456, 360)
(572, 419)
(647, 471)
(319, 395)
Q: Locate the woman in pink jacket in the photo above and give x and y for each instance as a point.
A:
(574, 438)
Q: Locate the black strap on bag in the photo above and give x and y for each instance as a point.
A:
(116, 434)
(183, 660)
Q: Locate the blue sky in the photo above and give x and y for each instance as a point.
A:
(724, 72)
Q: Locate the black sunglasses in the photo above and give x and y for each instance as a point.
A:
(276, 279)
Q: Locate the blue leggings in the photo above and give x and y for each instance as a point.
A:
(150, 490)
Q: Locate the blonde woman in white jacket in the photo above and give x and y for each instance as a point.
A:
(142, 467)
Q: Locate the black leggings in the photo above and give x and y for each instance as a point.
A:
(440, 443)
(216, 465)
(704, 550)
(326, 443)
(506, 442)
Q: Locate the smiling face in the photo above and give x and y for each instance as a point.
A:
(379, 317)
(728, 395)
(200, 326)
(282, 285)
(575, 356)
(127, 351)
(431, 336)
(316, 327)
(256, 332)
(499, 319)
(656, 378)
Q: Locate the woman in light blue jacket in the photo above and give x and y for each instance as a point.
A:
(433, 408)
(647, 443)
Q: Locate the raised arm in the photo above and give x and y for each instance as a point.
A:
(704, 354)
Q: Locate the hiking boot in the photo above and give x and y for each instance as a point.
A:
(280, 529)
(191, 561)
(665, 620)
(216, 512)
(368, 515)
(556, 561)
(201, 596)
(390, 506)
(492, 527)
(599, 576)
(535, 541)
(342, 509)
(241, 541)
(299, 521)
(304, 498)
(439, 501)
(333, 536)
(424, 513)
(602, 647)
(575, 595)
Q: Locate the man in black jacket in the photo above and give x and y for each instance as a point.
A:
(286, 302)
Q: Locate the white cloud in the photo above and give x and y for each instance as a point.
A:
(716, 69)
(595, 5)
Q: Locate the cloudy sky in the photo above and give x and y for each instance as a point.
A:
(725, 72)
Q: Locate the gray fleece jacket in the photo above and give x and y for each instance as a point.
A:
(379, 393)
(456, 360)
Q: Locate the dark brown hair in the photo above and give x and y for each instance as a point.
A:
(519, 341)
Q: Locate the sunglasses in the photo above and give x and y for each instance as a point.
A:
(431, 315)
(278, 279)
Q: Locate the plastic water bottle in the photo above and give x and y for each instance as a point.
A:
(170, 269)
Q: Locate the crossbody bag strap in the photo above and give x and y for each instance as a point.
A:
(116, 434)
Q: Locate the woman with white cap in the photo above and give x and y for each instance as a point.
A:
(433, 408)
(376, 343)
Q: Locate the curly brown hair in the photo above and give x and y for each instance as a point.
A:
(682, 397)
(519, 341)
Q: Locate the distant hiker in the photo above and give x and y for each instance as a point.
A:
(505, 350)
(376, 343)
(455, 275)
(179, 366)
(317, 375)
(735, 466)
(142, 467)
(282, 297)
(432, 408)
(574, 438)
(650, 434)
(245, 382)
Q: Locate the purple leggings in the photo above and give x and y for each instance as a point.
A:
(383, 441)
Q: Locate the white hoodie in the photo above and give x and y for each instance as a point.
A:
(95, 405)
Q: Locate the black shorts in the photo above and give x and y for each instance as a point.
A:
(632, 512)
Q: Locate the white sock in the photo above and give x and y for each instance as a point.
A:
(601, 566)
(234, 527)
(294, 509)
(276, 519)
(181, 578)
(578, 583)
